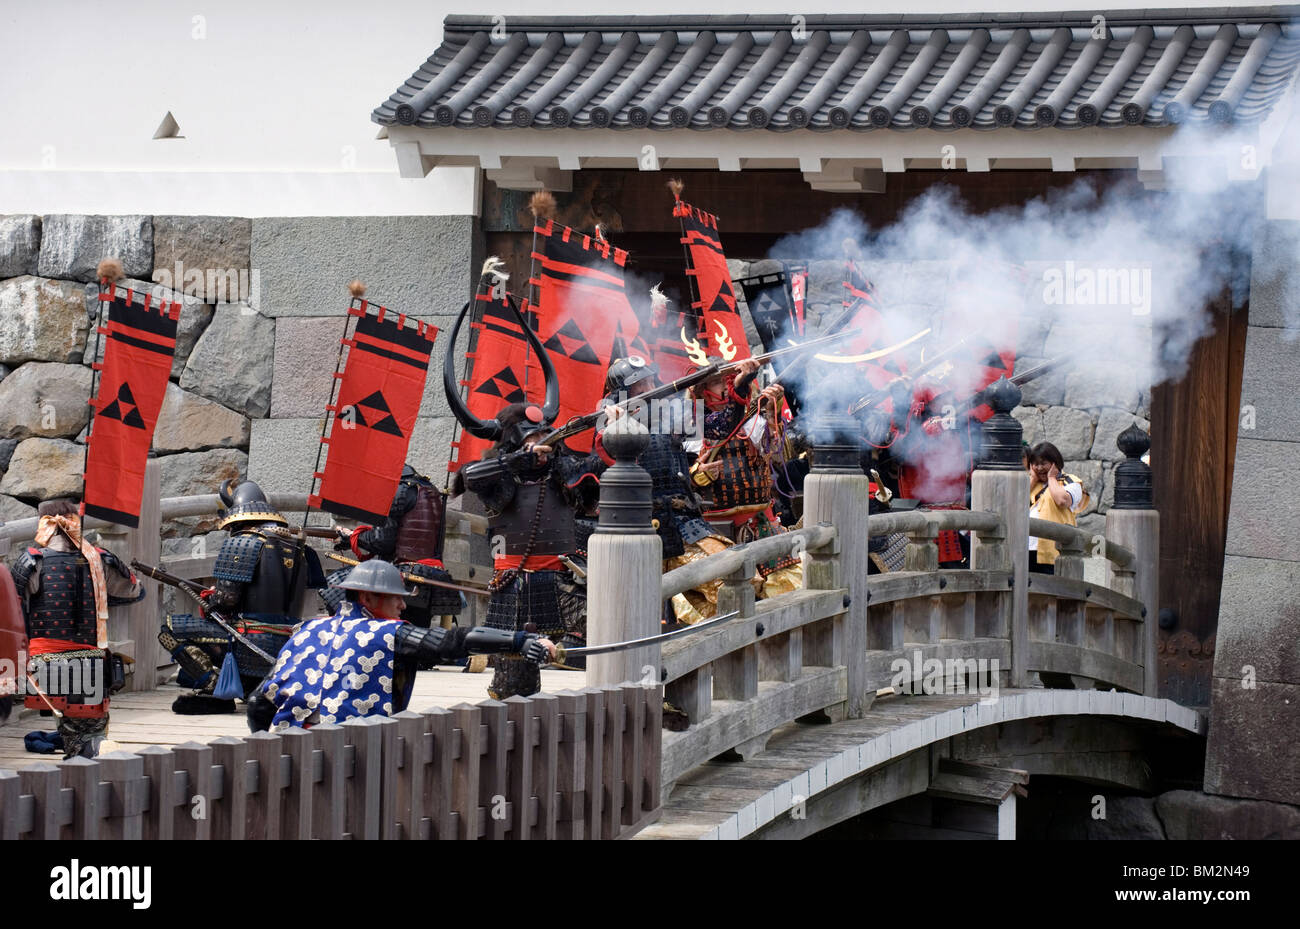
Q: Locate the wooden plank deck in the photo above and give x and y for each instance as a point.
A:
(145, 717)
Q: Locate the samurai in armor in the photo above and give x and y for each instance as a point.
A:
(676, 508)
(362, 660)
(734, 468)
(411, 537)
(260, 591)
(66, 586)
(529, 492)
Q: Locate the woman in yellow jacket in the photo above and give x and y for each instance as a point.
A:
(1053, 496)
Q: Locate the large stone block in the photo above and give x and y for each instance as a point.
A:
(1262, 522)
(1090, 474)
(1047, 389)
(72, 245)
(1190, 814)
(232, 361)
(1031, 335)
(190, 473)
(1031, 424)
(188, 422)
(1110, 423)
(1270, 384)
(44, 468)
(1107, 499)
(12, 509)
(45, 399)
(1101, 386)
(420, 265)
(1274, 276)
(1259, 613)
(1069, 430)
(282, 452)
(306, 353)
(41, 320)
(205, 256)
(826, 282)
(1253, 751)
(20, 244)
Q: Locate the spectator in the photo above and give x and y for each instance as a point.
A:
(1053, 496)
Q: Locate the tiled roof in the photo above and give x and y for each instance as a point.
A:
(982, 71)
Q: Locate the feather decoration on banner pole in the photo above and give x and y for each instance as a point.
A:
(373, 409)
(127, 390)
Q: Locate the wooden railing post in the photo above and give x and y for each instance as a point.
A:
(1001, 485)
(1133, 522)
(134, 628)
(836, 491)
(625, 563)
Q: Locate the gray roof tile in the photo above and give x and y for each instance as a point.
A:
(982, 71)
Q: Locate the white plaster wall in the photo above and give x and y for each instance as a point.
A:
(273, 100)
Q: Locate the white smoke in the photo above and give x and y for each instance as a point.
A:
(1118, 277)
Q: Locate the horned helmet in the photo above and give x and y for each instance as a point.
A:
(509, 427)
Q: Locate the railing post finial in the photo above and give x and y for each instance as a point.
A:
(1133, 489)
(1002, 432)
(835, 445)
(625, 502)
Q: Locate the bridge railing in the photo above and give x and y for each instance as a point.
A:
(572, 765)
(782, 658)
(829, 647)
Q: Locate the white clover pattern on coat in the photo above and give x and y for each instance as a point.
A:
(335, 669)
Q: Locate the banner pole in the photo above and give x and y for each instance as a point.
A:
(105, 271)
(358, 291)
(692, 285)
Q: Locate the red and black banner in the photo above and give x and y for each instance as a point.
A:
(497, 372)
(860, 297)
(141, 340)
(722, 333)
(582, 309)
(378, 400)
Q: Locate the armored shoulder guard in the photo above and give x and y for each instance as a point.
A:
(238, 558)
(22, 572)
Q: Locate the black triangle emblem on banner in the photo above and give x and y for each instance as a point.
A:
(376, 402)
(994, 360)
(581, 350)
(503, 384)
(123, 409)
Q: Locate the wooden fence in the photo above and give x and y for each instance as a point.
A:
(573, 765)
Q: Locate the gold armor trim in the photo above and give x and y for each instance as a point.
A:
(268, 516)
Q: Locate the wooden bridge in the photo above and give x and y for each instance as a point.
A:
(938, 694)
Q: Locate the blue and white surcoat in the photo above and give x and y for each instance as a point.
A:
(335, 668)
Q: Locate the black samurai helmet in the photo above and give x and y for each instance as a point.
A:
(246, 502)
(507, 430)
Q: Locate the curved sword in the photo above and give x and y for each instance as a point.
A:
(561, 652)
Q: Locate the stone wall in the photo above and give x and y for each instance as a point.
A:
(264, 308)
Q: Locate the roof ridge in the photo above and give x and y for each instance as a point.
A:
(459, 22)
